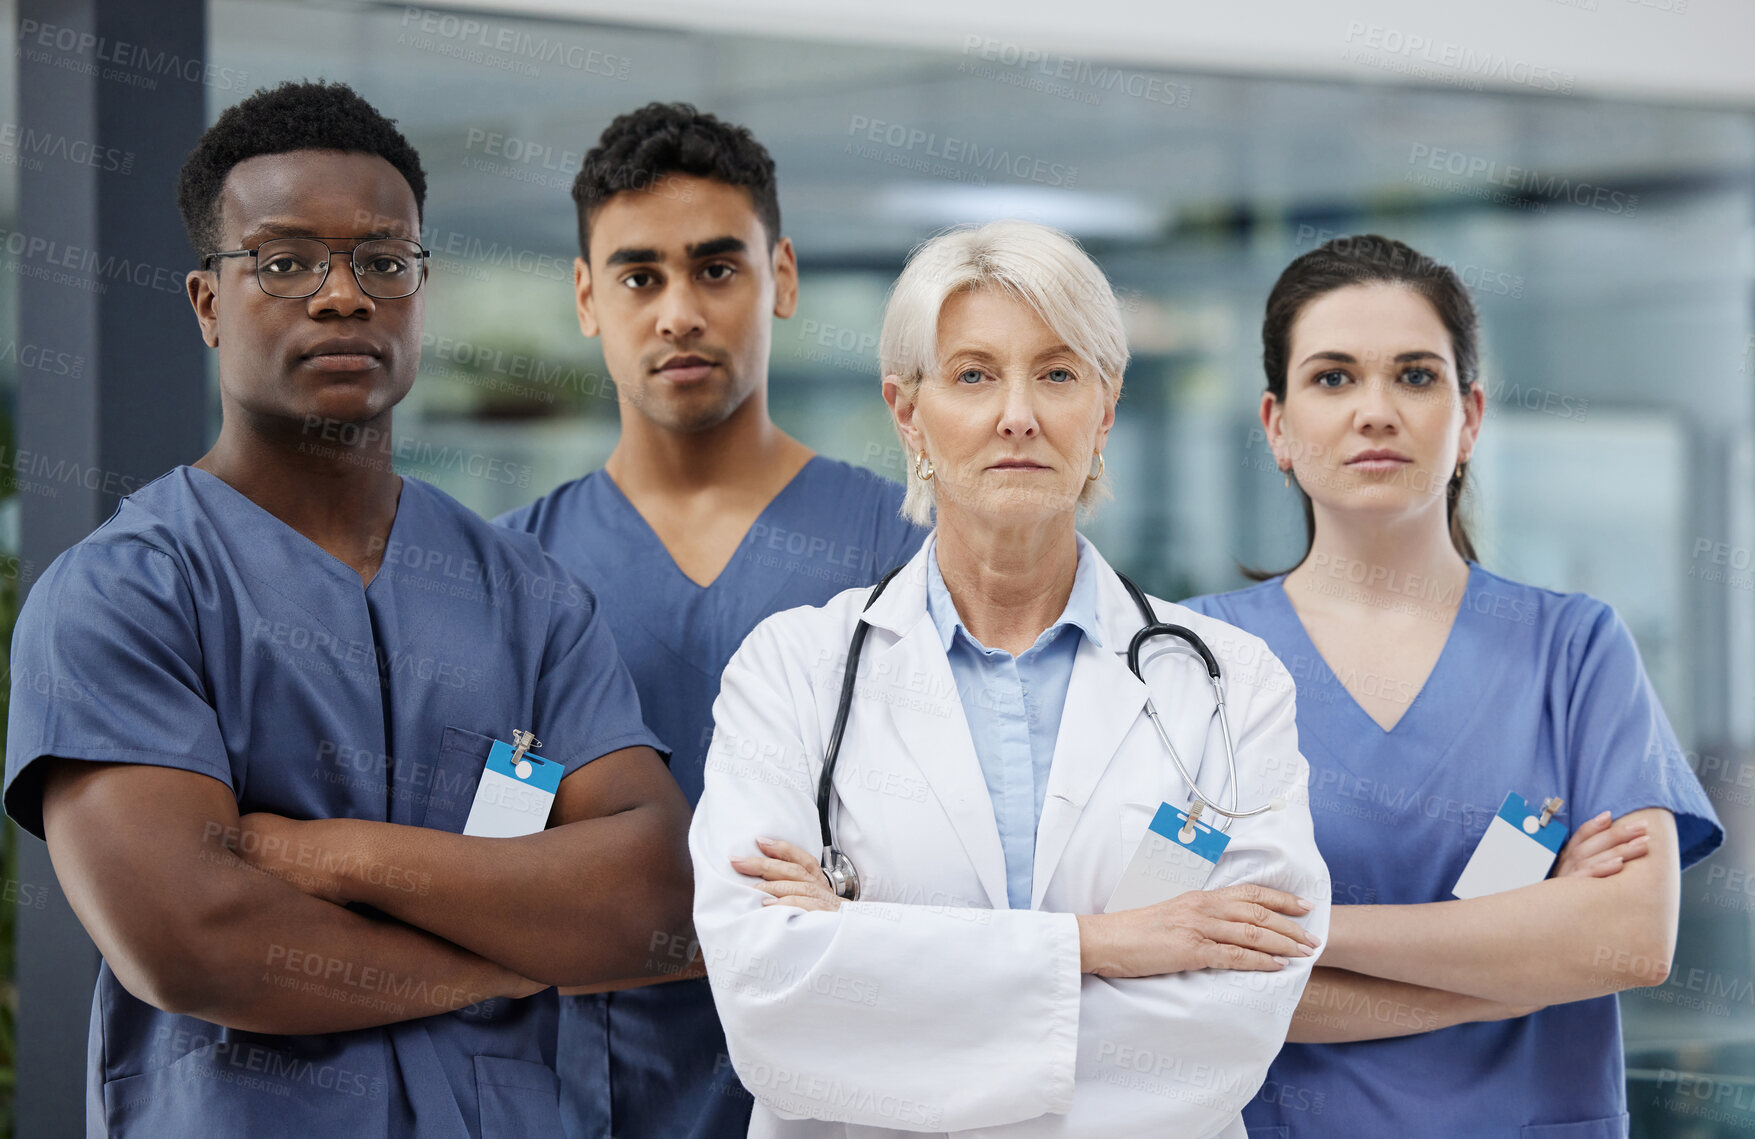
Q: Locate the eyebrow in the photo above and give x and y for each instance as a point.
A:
(713, 247)
(1346, 358)
(269, 230)
(985, 356)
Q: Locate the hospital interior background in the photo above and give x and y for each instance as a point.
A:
(1609, 245)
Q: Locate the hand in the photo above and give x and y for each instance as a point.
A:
(1599, 849)
(302, 853)
(1237, 927)
(790, 875)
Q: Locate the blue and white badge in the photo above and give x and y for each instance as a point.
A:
(516, 792)
(1174, 857)
(1518, 849)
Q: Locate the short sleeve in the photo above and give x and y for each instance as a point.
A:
(586, 704)
(1624, 755)
(107, 667)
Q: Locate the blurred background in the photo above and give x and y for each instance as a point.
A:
(1587, 166)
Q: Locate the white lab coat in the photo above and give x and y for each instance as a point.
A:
(929, 1005)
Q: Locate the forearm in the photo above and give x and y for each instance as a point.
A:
(1561, 940)
(582, 903)
(265, 957)
(1340, 1006)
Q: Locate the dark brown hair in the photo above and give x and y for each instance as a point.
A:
(1369, 259)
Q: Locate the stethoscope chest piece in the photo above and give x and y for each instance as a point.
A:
(843, 878)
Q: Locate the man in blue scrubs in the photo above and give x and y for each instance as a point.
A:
(705, 519)
(250, 713)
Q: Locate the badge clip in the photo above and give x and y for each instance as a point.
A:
(523, 741)
(1549, 807)
(1186, 834)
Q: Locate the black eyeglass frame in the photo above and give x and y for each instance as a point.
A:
(423, 258)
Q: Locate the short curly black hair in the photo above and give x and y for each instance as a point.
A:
(292, 116)
(642, 146)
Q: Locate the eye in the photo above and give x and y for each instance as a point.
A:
(640, 279)
(284, 263)
(1333, 378)
(1060, 375)
(386, 265)
(1419, 377)
(719, 271)
(970, 375)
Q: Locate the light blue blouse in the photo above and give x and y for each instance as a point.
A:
(1013, 706)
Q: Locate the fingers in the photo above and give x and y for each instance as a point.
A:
(802, 902)
(777, 870)
(780, 848)
(1235, 910)
(1611, 862)
(1266, 897)
(1589, 829)
(1262, 940)
(1220, 955)
(1603, 836)
(801, 889)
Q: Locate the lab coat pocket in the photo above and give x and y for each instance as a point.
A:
(1135, 818)
(456, 770)
(519, 1098)
(1609, 1127)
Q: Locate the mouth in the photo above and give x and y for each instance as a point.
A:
(1017, 465)
(1378, 460)
(686, 369)
(343, 355)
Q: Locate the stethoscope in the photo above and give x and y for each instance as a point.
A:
(838, 868)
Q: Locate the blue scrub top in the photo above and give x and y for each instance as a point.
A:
(651, 1063)
(195, 630)
(1536, 692)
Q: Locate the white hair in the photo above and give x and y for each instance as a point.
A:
(1038, 265)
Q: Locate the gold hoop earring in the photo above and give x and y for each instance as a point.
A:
(1287, 471)
(923, 468)
(1096, 468)
(1457, 476)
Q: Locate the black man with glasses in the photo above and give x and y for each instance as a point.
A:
(341, 779)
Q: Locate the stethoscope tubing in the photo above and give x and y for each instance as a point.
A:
(839, 868)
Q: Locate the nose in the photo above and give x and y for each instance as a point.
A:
(1375, 410)
(1017, 419)
(679, 312)
(340, 293)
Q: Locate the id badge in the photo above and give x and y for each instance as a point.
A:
(1517, 850)
(1164, 866)
(514, 796)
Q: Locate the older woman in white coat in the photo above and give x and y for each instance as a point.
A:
(997, 775)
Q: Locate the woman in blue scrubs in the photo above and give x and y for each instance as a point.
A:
(1428, 689)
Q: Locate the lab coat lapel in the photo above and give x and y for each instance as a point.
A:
(1103, 702)
(931, 723)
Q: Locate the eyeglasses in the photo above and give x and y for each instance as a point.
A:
(387, 269)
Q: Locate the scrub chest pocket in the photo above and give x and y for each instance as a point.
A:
(519, 1099)
(450, 787)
